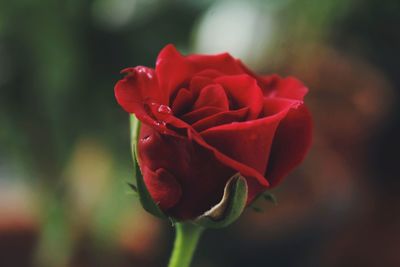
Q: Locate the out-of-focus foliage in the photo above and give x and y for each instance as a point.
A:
(64, 142)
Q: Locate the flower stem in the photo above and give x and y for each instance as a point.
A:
(186, 239)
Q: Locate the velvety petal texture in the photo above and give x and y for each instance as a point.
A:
(207, 117)
(190, 183)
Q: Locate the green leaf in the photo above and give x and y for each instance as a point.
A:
(229, 208)
(144, 196)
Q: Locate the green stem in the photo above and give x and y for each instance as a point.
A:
(186, 239)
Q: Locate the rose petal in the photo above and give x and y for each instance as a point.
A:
(199, 82)
(223, 63)
(291, 143)
(275, 86)
(220, 118)
(192, 134)
(212, 95)
(209, 73)
(137, 90)
(203, 183)
(253, 177)
(199, 114)
(248, 142)
(290, 87)
(275, 105)
(182, 102)
(200, 176)
(255, 180)
(172, 69)
(139, 84)
(245, 92)
(162, 186)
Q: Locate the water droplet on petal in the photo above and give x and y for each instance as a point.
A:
(141, 69)
(145, 139)
(164, 109)
(160, 123)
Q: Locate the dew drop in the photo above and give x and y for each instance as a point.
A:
(164, 109)
(145, 139)
(160, 123)
(141, 69)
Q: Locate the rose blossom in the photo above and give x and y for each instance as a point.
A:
(207, 117)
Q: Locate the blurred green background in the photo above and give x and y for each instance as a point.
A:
(64, 142)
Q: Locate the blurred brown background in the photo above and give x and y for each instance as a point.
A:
(64, 142)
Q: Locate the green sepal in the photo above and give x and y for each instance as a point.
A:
(133, 187)
(256, 209)
(270, 197)
(229, 208)
(144, 196)
(267, 196)
(173, 221)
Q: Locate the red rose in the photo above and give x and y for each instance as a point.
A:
(205, 118)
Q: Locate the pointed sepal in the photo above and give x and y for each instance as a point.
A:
(270, 197)
(229, 208)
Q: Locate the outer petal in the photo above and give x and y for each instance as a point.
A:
(246, 142)
(193, 135)
(289, 87)
(187, 133)
(275, 86)
(137, 90)
(173, 70)
(162, 186)
(139, 84)
(250, 142)
(223, 63)
(275, 105)
(291, 144)
(200, 176)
